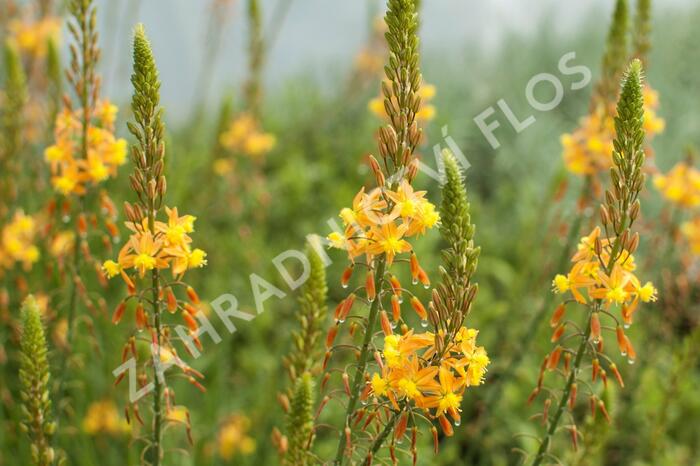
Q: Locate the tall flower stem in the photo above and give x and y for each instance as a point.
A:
(157, 386)
(362, 362)
(377, 444)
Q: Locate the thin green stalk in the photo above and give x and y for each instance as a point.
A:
(377, 444)
(362, 362)
(563, 401)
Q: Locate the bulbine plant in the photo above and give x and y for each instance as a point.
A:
(601, 283)
(152, 247)
(84, 154)
(416, 378)
(34, 376)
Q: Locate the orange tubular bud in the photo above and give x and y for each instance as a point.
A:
(324, 382)
(604, 377)
(111, 228)
(415, 267)
(330, 337)
(395, 285)
(595, 369)
(423, 277)
(321, 405)
(346, 383)
(436, 442)
(338, 310)
(601, 406)
(545, 411)
(401, 427)
(171, 301)
(141, 319)
(533, 395)
(557, 315)
(419, 308)
(574, 437)
(192, 295)
(346, 307)
(395, 308)
(627, 315)
(554, 357)
(572, 396)
(595, 327)
(386, 325)
(617, 374)
(190, 321)
(326, 358)
(558, 333)
(118, 313)
(446, 426)
(621, 340)
(592, 404)
(631, 353)
(82, 225)
(347, 274)
(370, 287)
(567, 361)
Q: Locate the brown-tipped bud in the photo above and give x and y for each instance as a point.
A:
(370, 287)
(598, 246)
(330, 337)
(572, 396)
(347, 274)
(436, 440)
(386, 325)
(395, 308)
(604, 216)
(378, 173)
(419, 308)
(634, 210)
(633, 243)
(412, 168)
(283, 400)
(556, 335)
(595, 369)
(557, 315)
(118, 313)
(595, 327)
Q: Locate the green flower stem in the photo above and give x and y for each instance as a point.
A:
(377, 444)
(362, 362)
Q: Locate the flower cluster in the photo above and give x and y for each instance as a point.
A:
(33, 38)
(245, 136)
(587, 150)
(589, 280)
(17, 242)
(425, 113)
(233, 438)
(103, 417)
(427, 380)
(681, 185)
(170, 247)
(372, 228)
(71, 173)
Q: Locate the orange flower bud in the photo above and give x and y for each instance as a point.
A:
(82, 225)
(190, 321)
(601, 406)
(190, 309)
(419, 308)
(554, 357)
(557, 315)
(141, 319)
(395, 308)
(347, 274)
(401, 427)
(346, 307)
(595, 327)
(395, 285)
(572, 396)
(595, 369)
(414, 266)
(631, 353)
(446, 426)
(192, 295)
(386, 325)
(370, 287)
(617, 374)
(346, 383)
(330, 337)
(621, 340)
(423, 277)
(558, 333)
(436, 442)
(171, 301)
(118, 313)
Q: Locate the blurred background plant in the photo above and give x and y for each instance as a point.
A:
(315, 104)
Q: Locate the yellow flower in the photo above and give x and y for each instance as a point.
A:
(379, 385)
(102, 417)
(111, 268)
(681, 185)
(425, 113)
(233, 437)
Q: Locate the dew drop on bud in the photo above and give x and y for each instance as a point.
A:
(424, 323)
